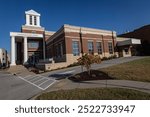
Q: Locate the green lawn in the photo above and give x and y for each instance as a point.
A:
(138, 70)
(95, 94)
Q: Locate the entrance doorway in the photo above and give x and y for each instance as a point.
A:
(19, 53)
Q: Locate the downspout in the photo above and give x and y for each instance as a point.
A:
(44, 46)
(103, 45)
(113, 42)
(81, 41)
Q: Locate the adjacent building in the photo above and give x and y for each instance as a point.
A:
(4, 58)
(57, 49)
(143, 34)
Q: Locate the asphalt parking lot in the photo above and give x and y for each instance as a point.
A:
(14, 87)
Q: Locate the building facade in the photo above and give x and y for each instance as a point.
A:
(35, 45)
(4, 58)
(28, 45)
(70, 42)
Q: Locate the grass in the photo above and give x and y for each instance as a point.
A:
(95, 94)
(138, 70)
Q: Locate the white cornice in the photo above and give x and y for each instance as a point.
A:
(32, 12)
(18, 34)
(84, 30)
(77, 29)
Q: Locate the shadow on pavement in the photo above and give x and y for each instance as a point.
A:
(60, 76)
(95, 75)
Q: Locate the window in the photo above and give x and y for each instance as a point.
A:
(59, 50)
(35, 20)
(99, 47)
(75, 48)
(110, 47)
(90, 47)
(30, 20)
(33, 44)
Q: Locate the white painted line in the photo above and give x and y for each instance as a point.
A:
(27, 76)
(50, 79)
(31, 83)
(43, 77)
(43, 82)
(39, 80)
(32, 79)
(50, 85)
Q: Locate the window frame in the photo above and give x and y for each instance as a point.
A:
(99, 47)
(110, 47)
(75, 48)
(90, 48)
(31, 44)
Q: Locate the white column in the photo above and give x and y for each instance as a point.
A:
(33, 20)
(38, 20)
(25, 50)
(27, 20)
(13, 61)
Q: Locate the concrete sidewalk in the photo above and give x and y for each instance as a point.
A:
(66, 84)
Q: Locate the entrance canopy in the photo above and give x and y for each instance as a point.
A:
(127, 41)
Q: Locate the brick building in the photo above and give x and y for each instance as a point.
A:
(69, 42)
(35, 45)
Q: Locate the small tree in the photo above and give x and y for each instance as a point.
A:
(87, 59)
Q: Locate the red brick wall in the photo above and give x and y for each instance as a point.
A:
(32, 31)
(85, 37)
(68, 37)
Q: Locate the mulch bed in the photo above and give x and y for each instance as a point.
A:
(95, 75)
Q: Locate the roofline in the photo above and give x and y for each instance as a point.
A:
(84, 30)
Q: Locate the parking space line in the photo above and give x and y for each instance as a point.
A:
(49, 85)
(34, 78)
(43, 82)
(43, 77)
(38, 81)
(30, 78)
(31, 83)
(27, 76)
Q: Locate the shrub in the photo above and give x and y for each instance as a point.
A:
(86, 61)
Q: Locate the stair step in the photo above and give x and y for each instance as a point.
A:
(19, 69)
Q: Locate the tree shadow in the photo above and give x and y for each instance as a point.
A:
(95, 75)
(60, 76)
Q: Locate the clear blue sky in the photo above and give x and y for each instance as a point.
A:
(117, 15)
